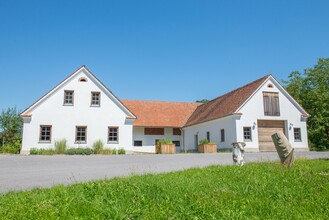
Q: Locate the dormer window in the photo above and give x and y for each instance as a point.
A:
(95, 99)
(68, 97)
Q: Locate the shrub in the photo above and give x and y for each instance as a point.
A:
(107, 151)
(8, 149)
(48, 151)
(79, 151)
(167, 141)
(114, 151)
(121, 151)
(204, 141)
(13, 147)
(98, 147)
(34, 151)
(42, 151)
(60, 146)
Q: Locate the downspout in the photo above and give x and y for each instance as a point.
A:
(183, 139)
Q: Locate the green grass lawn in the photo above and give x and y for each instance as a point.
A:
(254, 191)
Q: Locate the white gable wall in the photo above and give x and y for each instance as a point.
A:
(64, 119)
(253, 110)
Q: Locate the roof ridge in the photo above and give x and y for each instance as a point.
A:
(208, 111)
(241, 87)
(139, 100)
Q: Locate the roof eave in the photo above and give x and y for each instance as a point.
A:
(231, 114)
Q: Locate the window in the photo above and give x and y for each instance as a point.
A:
(271, 104)
(177, 143)
(138, 143)
(222, 135)
(83, 79)
(297, 134)
(247, 133)
(208, 136)
(95, 99)
(68, 97)
(154, 131)
(81, 134)
(45, 133)
(176, 131)
(113, 135)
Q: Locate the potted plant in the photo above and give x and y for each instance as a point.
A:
(165, 147)
(207, 147)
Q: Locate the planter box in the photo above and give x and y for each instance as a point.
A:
(207, 148)
(168, 149)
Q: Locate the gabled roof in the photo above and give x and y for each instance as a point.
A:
(160, 113)
(28, 112)
(226, 104)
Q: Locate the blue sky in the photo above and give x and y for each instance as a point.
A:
(175, 50)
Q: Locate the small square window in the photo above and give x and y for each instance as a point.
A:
(68, 97)
(138, 143)
(177, 143)
(297, 134)
(45, 133)
(81, 134)
(95, 99)
(247, 134)
(113, 135)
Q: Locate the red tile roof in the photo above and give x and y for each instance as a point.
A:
(160, 113)
(224, 105)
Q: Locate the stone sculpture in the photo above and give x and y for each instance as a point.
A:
(284, 148)
(238, 153)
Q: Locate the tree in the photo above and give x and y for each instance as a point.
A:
(202, 101)
(311, 90)
(10, 130)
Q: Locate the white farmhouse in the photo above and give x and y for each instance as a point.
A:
(82, 110)
(249, 114)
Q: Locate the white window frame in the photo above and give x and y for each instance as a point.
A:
(109, 136)
(244, 134)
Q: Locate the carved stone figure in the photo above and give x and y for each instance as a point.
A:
(238, 153)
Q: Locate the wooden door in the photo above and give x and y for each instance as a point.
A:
(266, 128)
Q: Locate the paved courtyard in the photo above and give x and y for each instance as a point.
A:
(25, 172)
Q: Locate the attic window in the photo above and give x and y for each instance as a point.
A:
(270, 86)
(82, 79)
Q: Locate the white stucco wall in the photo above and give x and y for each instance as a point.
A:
(214, 127)
(253, 110)
(64, 119)
(149, 140)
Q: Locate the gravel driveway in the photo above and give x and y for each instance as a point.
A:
(25, 172)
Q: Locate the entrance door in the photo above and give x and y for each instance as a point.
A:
(265, 130)
(196, 141)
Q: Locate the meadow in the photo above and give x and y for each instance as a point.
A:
(255, 191)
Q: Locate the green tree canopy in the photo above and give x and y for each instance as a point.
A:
(202, 101)
(10, 129)
(311, 90)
